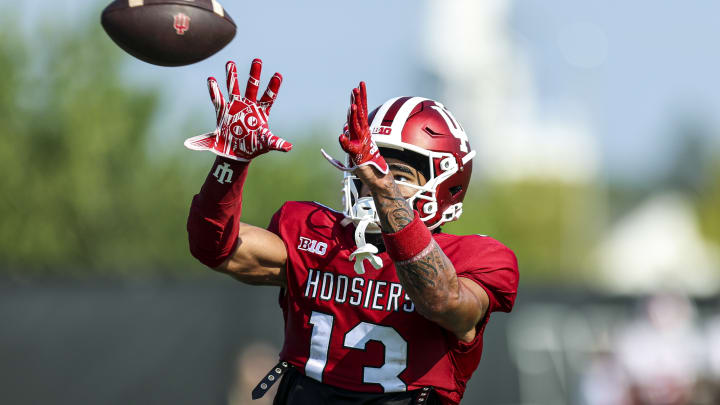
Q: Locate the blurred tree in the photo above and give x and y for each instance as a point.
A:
(694, 169)
(551, 226)
(301, 175)
(708, 203)
(690, 165)
(81, 193)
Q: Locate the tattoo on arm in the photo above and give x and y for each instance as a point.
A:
(393, 210)
(432, 270)
(430, 279)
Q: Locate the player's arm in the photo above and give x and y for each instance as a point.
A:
(428, 276)
(426, 273)
(259, 257)
(217, 237)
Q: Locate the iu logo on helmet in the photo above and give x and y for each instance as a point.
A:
(181, 23)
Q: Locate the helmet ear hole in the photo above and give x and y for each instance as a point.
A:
(455, 190)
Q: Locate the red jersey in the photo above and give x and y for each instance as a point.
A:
(362, 332)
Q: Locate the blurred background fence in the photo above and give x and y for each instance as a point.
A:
(598, 163)
(212, 341)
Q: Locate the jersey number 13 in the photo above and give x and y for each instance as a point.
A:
(357, 338)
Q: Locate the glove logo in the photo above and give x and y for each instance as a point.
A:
(252, 122)
(223, 173)
(241, 131)
(237, 129)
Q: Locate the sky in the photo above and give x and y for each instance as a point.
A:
(633, 68)
(659, 66)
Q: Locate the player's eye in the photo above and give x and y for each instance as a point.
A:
(401, 177)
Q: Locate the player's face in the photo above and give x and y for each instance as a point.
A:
(401, 171)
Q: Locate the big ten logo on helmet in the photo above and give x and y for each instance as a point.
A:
(312, 246)
(382, 130)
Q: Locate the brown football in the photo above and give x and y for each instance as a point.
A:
(168, 32)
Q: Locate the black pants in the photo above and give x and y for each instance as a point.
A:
(297, 389)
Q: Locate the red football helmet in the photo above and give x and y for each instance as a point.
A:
(424, 134)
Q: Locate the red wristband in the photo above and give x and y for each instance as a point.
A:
(408, 242)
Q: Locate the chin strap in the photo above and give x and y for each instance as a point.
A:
(365, 251)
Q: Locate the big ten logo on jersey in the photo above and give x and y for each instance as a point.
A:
(312, 246)
(382, 130)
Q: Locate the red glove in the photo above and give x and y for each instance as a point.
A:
(242, 131)
(356, 139)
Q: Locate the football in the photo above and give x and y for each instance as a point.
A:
(168, 32)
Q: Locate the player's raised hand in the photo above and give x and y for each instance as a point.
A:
(356, 139)
(242, 131)
(253, 85)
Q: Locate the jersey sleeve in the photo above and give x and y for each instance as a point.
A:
(494, 267)
(274, 225)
